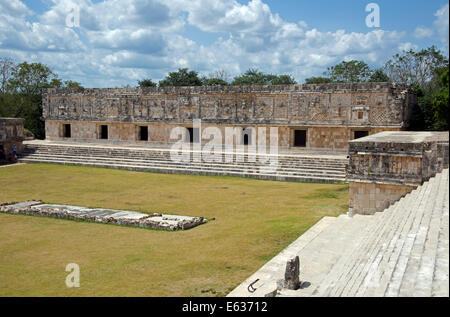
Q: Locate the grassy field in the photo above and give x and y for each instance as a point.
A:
(254, 220)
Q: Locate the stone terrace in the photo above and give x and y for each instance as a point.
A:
(295, 168)
(402, 252)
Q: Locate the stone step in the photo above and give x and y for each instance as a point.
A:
(236, 160)
(265, 273)
(424, 278)
(440, 284)
(376, 284)
(309, 266)
(419, 247)
(166, 153)
(333, 242)
(341, 269)
(245, 160)
(401, 272)
(352, 267)
(198, 168)
(191, 171)
(379, 245)
(324, 170)
(317, 167)
(402, 251)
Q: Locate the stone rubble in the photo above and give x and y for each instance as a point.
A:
(108, 216)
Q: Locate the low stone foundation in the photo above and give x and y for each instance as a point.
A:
(119, 217)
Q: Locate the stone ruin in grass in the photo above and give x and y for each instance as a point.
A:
(99, 215)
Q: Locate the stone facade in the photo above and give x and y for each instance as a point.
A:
(330, 114)
(11, 133)
(387, 166)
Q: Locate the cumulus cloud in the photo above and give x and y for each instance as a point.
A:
(407, 46)
(14, 8)
(422, 32)
(442, 26)
(16, 32)
(121, 41)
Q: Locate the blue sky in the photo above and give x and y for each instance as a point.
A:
(121, 41)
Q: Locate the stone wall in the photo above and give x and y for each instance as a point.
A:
(11, 133)
(318, 138)
(387, 166)
(329, 112)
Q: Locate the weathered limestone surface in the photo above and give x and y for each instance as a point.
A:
(330, 113)
(11, 133)
(121, 217)
(401, 252)
(386, 166)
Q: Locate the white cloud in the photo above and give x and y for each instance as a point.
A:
(121, 41)
(407, 46)
(16, 32)
(422, 32)
(442, 26)
(14, 8)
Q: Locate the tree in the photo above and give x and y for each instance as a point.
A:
(440, 104)
(29, 79)
(6, 68)
(146, 83)
(214, 82)
(284, 80)
(317, 80)
(349, 72)
(217, 78)
(255, 77)
(220, 74)
(72, 84)
(425, 72)
(24, 99)
(421, 68)
(183, 77)
(379, 76)
(54, 83)
(251, 77)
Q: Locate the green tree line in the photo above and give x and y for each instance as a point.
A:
(20, 92)
(186, 77)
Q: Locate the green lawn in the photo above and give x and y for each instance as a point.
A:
(255, 220)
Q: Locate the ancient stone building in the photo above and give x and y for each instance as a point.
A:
(11, 133)
(312, 117)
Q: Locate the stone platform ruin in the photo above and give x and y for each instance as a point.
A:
(11, 134)
(107, 216)
(385, 167)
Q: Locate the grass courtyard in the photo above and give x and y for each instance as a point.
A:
(254, 220)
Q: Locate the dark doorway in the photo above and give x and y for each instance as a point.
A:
(361, 134)
(143, 133)
(67, 131)
(246, 142)
(104, 132)
(190, 136)
(300, 138)
(193, 135)
(246, 137)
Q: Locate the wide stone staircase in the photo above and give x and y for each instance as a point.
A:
(401, 252)
(295, 168)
